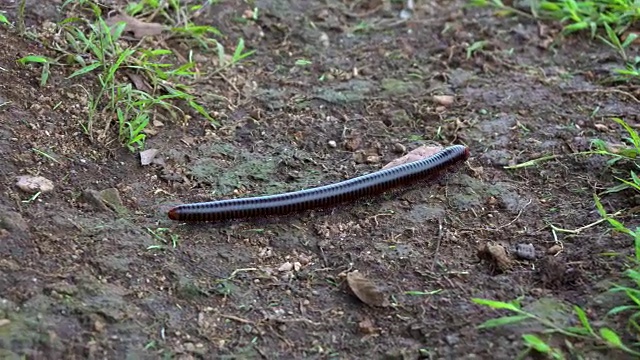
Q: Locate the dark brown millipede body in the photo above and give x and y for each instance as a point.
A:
(323, 196)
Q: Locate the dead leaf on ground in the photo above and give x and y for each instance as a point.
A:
(496, 254)
(414, 155)
(368, 292)
(139, 28)
(139, 82)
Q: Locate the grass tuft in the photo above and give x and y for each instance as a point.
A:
(607, 20)
(136, 81)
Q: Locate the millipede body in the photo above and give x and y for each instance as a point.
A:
(324, 196)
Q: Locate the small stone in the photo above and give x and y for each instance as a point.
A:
(297, 266)
(111, 198)
(285, 267)
(353, 143)
(62, 287)
(304, 259)
(372, 159)
(359, 157)
(324, 40)
(94, 198)
(4, 322)
(366, 327)
(525, 251)
(147, 156)
(452, 339)
(98, 326)
(13, 222)
(444, 100)
(34, 184)
(399, 148)
(332, 144)
(554, 250)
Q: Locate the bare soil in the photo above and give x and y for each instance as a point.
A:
(77, 279)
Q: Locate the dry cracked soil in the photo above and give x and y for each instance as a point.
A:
(94, 269)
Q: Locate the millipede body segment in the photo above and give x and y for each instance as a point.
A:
(324, 196)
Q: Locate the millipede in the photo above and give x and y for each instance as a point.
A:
(324, 196)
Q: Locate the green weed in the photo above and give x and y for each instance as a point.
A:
(615, 17)
(46, 66)
(164, 237)
(99, 50)
(585, 330)
(4, 20)
(626, 152)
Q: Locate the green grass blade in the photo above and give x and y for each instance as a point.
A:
(611, 337)
(582, 316)
(505, 320)
(85, 70)
(497, 304)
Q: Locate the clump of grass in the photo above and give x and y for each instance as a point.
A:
(628, 151)
(98, 49)
(614, 17)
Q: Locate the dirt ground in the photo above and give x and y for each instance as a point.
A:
(78, 280)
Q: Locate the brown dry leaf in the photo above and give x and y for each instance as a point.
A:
(497, 254)
(139, 82)
(414, 155)
(139, 28)
(368, 292)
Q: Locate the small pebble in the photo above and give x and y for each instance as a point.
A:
(554, 250)
(285, 267)
(332, 144)
(452, 339)
(34, 184)
(373, 159)
(525, 251)
(399, 148)
(444, 100)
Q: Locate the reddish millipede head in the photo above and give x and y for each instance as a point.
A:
(466, 153)
(173, 214)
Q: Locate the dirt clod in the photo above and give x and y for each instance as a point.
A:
(34, 184)
(496, 254)
(367, 327)
(13, 222)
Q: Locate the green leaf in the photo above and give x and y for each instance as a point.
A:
(619, 309)
(583, 318)
(84, 70)
(578, 330)
(505, 320)
(611, 337)
(536, 343)
(631, 131)
(576, 27)
(3, 19)
(33, 59)
(45, 74)
(629, 40)
(497, 304)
